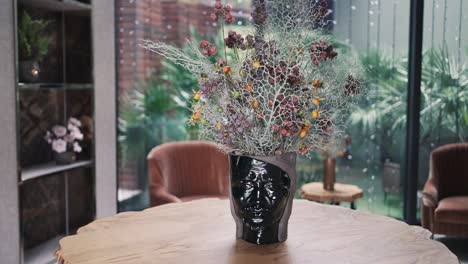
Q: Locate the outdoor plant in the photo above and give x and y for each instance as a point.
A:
(65, 138)
(444, 88)
(286, 89)
(149, 118)
(381, 115)
(33, 45)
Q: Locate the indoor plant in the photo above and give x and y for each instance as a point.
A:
(33, 46)
(65, 141)
(286, 90)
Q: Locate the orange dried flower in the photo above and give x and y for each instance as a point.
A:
(226, 69)
(316, 101)
(248, 88)
(304, 150)
(317, 83)
(255, 104)
(197, 96)
(303, 133)
(196, 116)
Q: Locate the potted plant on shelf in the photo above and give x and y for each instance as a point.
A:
(286, 90)
(65, 141)
(33, 46)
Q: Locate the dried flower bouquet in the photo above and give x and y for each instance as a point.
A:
(286, 89)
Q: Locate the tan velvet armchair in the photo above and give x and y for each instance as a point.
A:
(188, 170)
(445, 195)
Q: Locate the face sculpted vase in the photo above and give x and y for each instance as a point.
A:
(262, 191)
(283, 91)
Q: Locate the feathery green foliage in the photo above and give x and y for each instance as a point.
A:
(32, 42)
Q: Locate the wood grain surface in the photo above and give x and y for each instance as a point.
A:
(203, 231)
(343, 192)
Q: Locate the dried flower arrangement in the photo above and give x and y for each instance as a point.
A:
(63, 139)
(286, 89)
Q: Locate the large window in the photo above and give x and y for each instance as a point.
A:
(444, 80)
(378, 31)
(153, 93)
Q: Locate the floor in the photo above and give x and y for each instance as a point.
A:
(459, 246)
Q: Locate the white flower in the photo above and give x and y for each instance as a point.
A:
(72, 127)
(59, 145)
(48, 137)
(74, 122)
(76, 147)
(76, 134)
(69, 138)
(59, 131)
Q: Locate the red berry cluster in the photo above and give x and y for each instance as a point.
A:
(224, 12)
(282, 72)
(235, 40)
(320, 12)
(287, 107)
(352, 86)
(319, 51)
(259, 14)
(208, 48)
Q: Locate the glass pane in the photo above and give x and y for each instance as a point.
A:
(444, 85)
(43, 217)
(153, 92)
(370, 158)
(54, 75)
(373, 153)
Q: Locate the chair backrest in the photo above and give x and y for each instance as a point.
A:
(189, 168)
(449, 167)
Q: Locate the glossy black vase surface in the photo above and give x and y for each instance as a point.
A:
(262, 191)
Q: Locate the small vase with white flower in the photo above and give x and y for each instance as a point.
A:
(65, 141)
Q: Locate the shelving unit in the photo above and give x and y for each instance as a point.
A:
(55, 200)
(42, 253)
(51, 168)
(66, 86)
(57, 5)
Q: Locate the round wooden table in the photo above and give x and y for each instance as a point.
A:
(314, 191)
(203, 232)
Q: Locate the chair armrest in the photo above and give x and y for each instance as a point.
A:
(430, 195)
(162, 196)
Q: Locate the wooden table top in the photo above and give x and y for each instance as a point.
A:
(343, 192)
(203, 231)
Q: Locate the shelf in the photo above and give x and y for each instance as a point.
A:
(44, 253)
(64, 86)
(57, 5)
(50, 168)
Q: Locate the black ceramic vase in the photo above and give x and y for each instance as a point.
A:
(262, 192)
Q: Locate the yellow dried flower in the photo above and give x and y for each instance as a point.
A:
(256, 64)
(315, 114)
